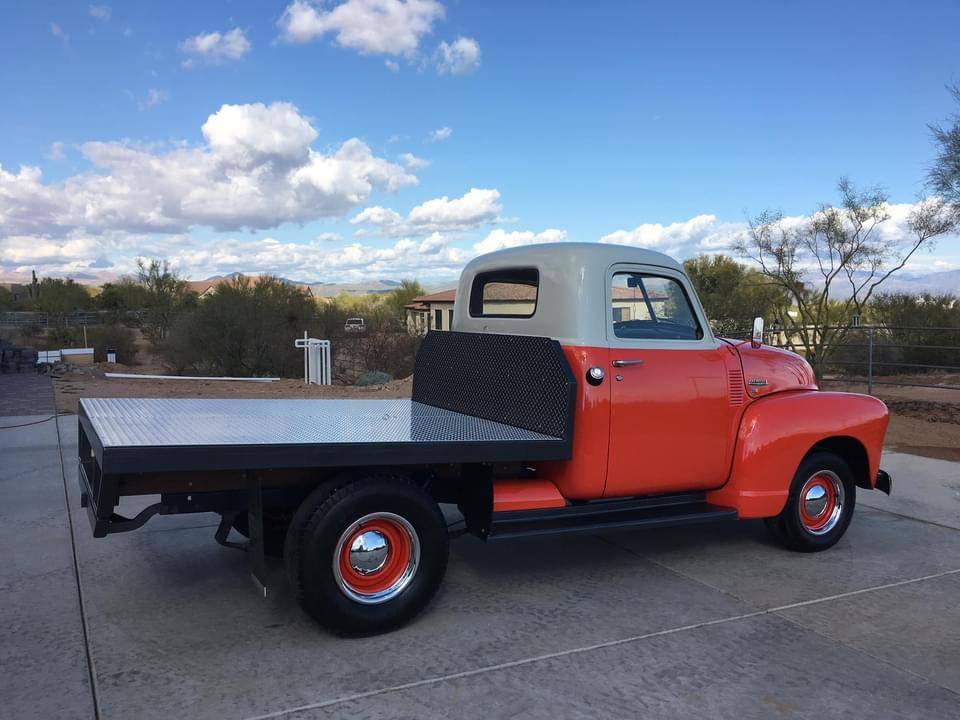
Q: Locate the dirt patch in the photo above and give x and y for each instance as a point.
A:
(90, 382)
(943, 387)
(923, 420)
(931, 412)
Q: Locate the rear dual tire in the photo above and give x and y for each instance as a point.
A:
(366, 556)
(819, 507)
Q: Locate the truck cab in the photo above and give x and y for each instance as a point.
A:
(662, 405)
(581, 389)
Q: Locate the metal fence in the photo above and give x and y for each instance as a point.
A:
(926, 357)
(46, 320)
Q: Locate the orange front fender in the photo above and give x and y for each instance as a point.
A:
(778, 431)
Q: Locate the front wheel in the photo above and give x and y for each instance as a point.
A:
(371, 555)
(820, 505)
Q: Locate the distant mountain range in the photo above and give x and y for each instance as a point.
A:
(938, 283)
(374, 287)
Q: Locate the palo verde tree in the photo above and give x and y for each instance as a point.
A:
(731, 293)
(122, 297)
(830, 264)
(944, 175)
(166, 296)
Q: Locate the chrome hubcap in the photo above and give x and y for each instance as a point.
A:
(368, 552)
(815, 501)
(822, 500)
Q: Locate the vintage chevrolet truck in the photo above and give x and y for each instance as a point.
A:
(581, 390)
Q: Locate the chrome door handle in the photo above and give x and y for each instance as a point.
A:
(626, 363)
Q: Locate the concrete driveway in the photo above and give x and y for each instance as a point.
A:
(708, 622)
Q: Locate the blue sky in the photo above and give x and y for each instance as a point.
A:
(662, 124)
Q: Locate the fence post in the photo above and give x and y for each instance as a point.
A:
(870, 363)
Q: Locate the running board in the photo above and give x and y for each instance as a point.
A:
(608, 515)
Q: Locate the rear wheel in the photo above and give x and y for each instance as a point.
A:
(820, 505)
(371, 555)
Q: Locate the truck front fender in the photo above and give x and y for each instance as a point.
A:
(778, 431)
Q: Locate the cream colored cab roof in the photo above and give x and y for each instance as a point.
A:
(572, 297)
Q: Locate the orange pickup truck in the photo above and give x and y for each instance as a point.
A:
(581, 390)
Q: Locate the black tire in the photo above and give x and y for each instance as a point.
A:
(293, 541)
(322, 590)
(816, 532)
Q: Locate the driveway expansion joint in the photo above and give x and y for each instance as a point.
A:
(323, 704)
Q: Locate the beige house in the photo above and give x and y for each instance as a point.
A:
(430, 312)
(435, 311)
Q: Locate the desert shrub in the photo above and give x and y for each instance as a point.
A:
(373, 378)
(62, 336)
(243, 329)
(29, 331)
(390, 353)
(117, 337)
(906, 333)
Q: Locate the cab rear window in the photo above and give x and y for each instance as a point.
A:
(505, 293)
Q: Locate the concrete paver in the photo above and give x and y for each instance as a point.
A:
(920, 625)
(25, 393)
(674, 623)
(42, 648)
(923, 488)
(756, 668)
(742, 560)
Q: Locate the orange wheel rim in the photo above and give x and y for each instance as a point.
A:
(821, 502)
(376, 558)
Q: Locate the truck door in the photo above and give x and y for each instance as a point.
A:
(672, 422)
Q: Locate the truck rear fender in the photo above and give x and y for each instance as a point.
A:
(778, 431)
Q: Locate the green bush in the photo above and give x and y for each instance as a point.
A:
(62, 336)
(118, 337)
(373, 378)
(244, 329)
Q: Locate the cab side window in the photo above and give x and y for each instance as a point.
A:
(651, 307)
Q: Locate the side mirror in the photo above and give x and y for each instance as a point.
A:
(757, 340)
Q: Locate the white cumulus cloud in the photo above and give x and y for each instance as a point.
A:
(372, 27)
(56, 151)
(215, 47)
(412, 162)
(59, 33)
(154, 97)
(498, 239)
(100, 12)
(702, 233)
(431, 256)
(257, 169)
(478, 206)
(460, 57)
(441, 134)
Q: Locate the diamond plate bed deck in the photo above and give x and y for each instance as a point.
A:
(155, 435)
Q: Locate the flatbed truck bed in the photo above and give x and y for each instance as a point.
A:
(510, 401)
(130, 435)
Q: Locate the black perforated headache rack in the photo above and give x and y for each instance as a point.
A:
(477, 398)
